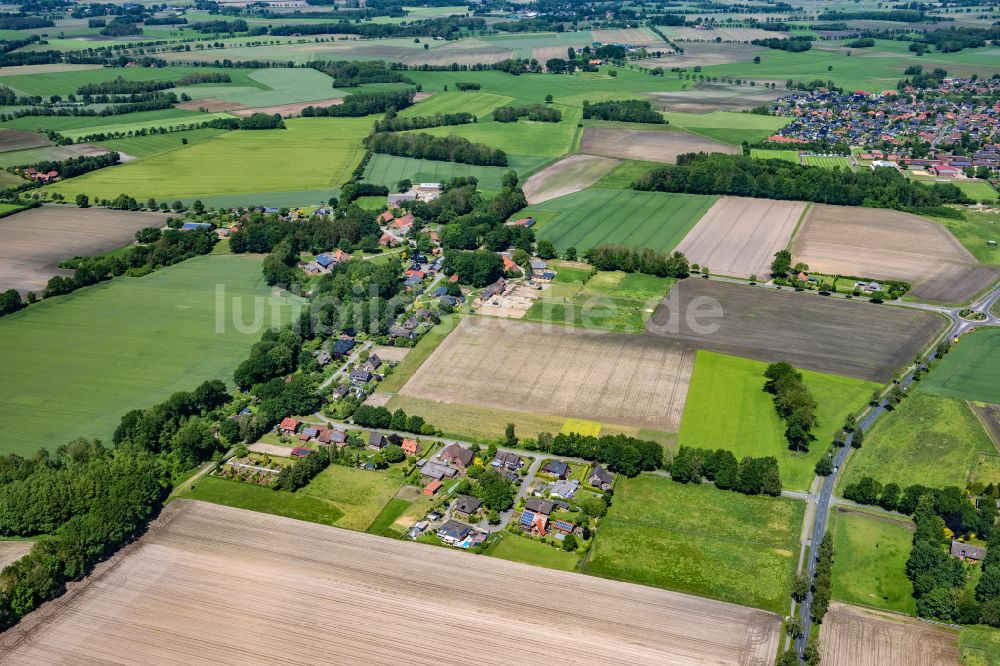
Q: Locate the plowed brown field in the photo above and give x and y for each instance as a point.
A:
(215, 585)
(853, 636)
(655, 146)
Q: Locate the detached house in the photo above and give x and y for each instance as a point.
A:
(410, 447)
(466, 506)
(601, 478)
(288, 426)
(458, 456)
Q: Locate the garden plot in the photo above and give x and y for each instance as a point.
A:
(855, 339)
(890, 245)
(739, 236)
(33, 242)
(853, 636)
(293, 591)
(555, 370)
(652, 146)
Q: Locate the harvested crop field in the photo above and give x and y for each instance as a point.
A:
(632, 36)
(890, 245)
(287, 110)
(11, 139)
(238, 587)
(33, 242)
(560, 371)
(684, 34)
(655, 146)
(12, 551)
(568, 175)
(805, 329)
(853, 636)
(739, 236)
(704, 53)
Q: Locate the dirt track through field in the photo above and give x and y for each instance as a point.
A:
(568, 175)
(213, 584)
(554, 370)
(33, 242)
(654, 146)
(809, 331)
(739, 236)
(853, 636)
(890, 245)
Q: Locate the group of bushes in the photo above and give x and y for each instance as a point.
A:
(624, 110)
(793, 45)
(638, 260)
(380, 417)
(364, 104)
(429, 147)
(750, 476)
(477, 267)
(620, 453)
(397, 124)
(348, 74)
(74, 166)
(537, 112)
(793, 402)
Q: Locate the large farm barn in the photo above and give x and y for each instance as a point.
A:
(236, 587)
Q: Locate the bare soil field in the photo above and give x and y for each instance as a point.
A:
(12, 139)
(853, 636)
(727, 34)
(656, 146)
(856, 339)
(568, 175)
(554, 370)
(51, 68)
(12, 551)
(632, 36)
(709, 97)
(391, 353)
(739, 236)
(287, 110)
(890, 245)
(271, 449)
(33, 242)
(227, 586)
(705, 53)
(211, 105)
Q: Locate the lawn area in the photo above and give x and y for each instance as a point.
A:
(358, 494)
(597, 216)
(388, 170)
(312, 153)
(971, 370)
(389, 514)
(980, 646)
(927, 439)
(153, 144)
(827, 162)
(728, 126)
(529, 551)
(701, 540)
(258, 498)
(974, 232)
(77, 363)
(768, 154)
(976, 189)
(477, 103)
(727, 408)
(869, 568)
(611, 300)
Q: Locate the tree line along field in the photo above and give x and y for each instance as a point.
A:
(74, 364)
(141, 118)
(869, 567)
(932, 440)
(727, 408)
(65, 83)
(971, 370)
(350, 582)
(596, 216)
(312, 153)
(701, 540)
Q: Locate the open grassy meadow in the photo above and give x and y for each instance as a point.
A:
(827, 161)
(81, 125)
(597, 216)
(358, 494)
(65, 83)
(771, 154)
(971, 370)
(870, 564)
(74, 364)
(701, 540)
(312, 153)
(928, 439)
(388, 170)
(153, 144)
(727, 408)
(980, 646)
(727, 126)
(479, 104)
(529, 551)
(265, 500)
(120, 126)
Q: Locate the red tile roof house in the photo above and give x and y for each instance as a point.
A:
(288, 426)
(385, 217)
(432, 488)
(387, 240)
(402, 222)
(410, 447)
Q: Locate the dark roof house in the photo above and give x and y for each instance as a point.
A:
(456, 454)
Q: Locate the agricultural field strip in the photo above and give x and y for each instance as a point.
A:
(739, 236)
(853, 636)
(555, 370)
(161, 597)
(652, 145)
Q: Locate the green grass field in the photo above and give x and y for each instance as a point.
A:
(701, 540)
(597, 216)
(971, 370)
(727, 408)
(358, 494)
(313, 153)
(65, 83)
(153, 144)
(265, 500)
(727, 126)
(77, 124)
(979, 646)
(623, 175)
(768, 154)
(270, 87)
(529, 551)
(927, 439)
(975, 232)
(976, 189)
(826, 162)
(612, 300)
(389, 514)
(869, 568)
(133, 127)
(388, 170)
(74, 364)
(477, 103)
